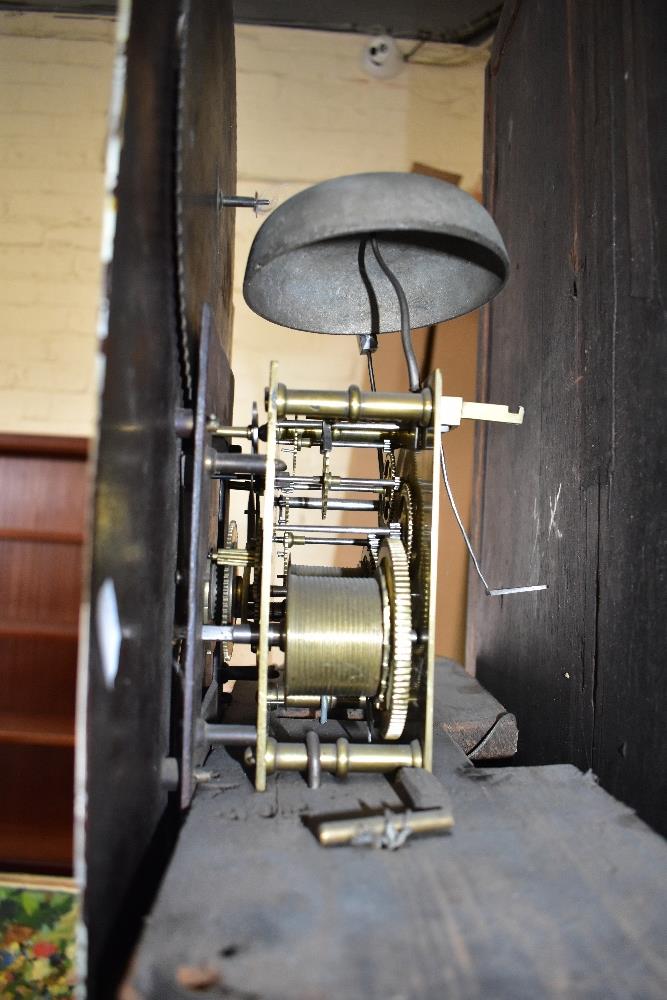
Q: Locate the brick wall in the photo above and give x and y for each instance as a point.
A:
(306, 111)
(54, 76)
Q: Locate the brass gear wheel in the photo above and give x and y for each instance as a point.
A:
(403, 512)
(395, 581)
(388, 472)
(227, 595)
(251, 588)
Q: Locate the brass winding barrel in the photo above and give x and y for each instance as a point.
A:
(334, 634)
(302, 570)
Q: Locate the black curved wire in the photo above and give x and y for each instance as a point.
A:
(406, 337)
(371, 371)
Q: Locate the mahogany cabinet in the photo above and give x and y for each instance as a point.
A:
(42, 511)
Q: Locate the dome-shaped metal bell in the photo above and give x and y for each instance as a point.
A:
(311, 267)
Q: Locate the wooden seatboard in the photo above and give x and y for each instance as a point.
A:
(547, 887)
(472, 717)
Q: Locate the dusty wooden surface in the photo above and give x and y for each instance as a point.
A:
(547, 887)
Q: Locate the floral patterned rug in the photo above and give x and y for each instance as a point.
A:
(37, 928)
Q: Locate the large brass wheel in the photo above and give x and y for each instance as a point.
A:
(394, 570)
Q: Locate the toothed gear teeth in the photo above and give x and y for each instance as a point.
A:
(393, 564)
(403, 511)
(388, 472)
(183, 339)
(228, 579)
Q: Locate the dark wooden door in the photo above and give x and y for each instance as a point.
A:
(576, 178)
